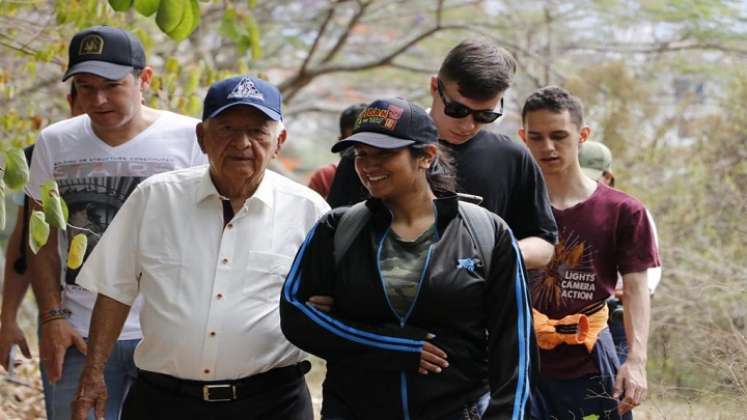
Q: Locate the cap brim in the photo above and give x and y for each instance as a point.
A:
(274, 115)
(378, 140)
(103, 69)
(592, 173)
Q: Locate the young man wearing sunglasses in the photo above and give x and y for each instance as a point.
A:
(468, 94)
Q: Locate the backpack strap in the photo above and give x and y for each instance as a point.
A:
(478, 221)
(480, 225)
(351, 223)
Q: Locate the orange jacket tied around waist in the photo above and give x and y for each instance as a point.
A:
(582, 328)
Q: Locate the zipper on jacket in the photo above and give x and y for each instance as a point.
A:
(402, 320)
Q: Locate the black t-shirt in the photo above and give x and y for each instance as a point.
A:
(497, 169)
(508, 179)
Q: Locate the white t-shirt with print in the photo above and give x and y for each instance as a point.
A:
(95, 178)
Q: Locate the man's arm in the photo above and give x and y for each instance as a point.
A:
(107, 320)
(57, 334)
(536, 251)
(531, 217)
(15, 287)
(631, 384)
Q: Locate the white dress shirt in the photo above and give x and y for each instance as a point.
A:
(211, 293)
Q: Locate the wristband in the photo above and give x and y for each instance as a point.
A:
(53, 314)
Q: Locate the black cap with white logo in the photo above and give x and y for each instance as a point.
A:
(104, 51)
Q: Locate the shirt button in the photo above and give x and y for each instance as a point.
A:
(212, 333)
(225, 260)
(219, 296)
(206, 371)
(230, 225)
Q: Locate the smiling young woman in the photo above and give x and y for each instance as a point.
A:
(409, 318)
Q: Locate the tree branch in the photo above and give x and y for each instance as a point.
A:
(346, 33)
(293, 85)
(663, 47)
(412, 69)
(31, 89)
(317, 39)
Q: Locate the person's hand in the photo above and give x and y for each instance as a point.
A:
(630, 386)
(323, 303)
(432, 358)
(10, 335)
(57, 335)
(91, 394)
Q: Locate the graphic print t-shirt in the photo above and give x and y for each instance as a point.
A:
(95, 179)
(606, 234)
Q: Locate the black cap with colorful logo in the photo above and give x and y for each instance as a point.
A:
(391, 124)
(108, 52)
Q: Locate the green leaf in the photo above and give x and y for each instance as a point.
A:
(172, 65)
(52, 205)
(190, 21)
(147, 7)
(193, 80)
(39, 231)
(194, 105)
(253, 28)
(228, 27)
(2, 204)
(77, 251)
(120, 5)
(16, 169)
(170, 13)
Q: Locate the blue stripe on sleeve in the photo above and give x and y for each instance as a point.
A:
(333, 325)
(522, 303)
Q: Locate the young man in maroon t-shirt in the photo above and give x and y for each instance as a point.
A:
(602, 231)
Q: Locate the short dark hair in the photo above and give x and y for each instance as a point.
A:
(442, 174)
(481, 70)
(349, 115)
(555, 99)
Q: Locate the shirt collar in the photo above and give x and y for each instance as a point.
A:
(264, 192)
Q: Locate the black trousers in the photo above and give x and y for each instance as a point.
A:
(286, 401)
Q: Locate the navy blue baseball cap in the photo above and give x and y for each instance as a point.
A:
(391, 124)
(108, 52)
(243, 90)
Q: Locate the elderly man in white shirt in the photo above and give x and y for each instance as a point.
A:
(208, 248)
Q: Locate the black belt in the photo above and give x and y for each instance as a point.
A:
(229, 390)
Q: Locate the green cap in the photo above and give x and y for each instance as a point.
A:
(595, 159)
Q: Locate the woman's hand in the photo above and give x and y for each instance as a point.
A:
(432, 358)
(322, 303)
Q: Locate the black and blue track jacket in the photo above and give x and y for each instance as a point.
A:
(372, 354)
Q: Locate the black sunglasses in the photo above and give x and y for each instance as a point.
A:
(455, 109)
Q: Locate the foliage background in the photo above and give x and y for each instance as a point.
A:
(663, 83)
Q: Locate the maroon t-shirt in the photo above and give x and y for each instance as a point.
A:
(321, 179)
(606, 234)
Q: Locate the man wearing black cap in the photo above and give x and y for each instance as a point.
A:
(208, 249)
(97, 159)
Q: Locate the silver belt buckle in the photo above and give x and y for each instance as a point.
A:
(225, 392)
